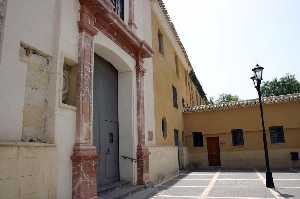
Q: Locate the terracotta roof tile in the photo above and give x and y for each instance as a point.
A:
(245, 103)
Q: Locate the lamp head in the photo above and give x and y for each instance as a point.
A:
(258, 72)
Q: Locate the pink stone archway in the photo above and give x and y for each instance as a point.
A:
(96, 15)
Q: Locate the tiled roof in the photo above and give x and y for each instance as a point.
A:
(245, 103)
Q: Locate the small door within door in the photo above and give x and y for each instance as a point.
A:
(213, 149)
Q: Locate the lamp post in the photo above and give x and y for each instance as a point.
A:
(257, 78)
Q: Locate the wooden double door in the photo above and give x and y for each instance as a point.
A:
(105, 121)
(213, 151)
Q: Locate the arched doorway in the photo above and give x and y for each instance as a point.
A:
(105, 121)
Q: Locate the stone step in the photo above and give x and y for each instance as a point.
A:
(121, 192)
(112, 186)
(145, 193)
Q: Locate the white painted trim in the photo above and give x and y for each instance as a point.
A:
(169, 196)
(289, 187)
(273, 191)
(239, 198)
(210, 186)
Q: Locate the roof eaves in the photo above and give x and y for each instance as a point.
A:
(244, 104)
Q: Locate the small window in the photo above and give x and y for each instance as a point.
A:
(119, 8)
(294, 156)
(276, 134)
(176, 137)
(175, 103)
(69, 83)
(176, 66)
(160, 42)
(198, 139)
(164, 128)
(237, 137)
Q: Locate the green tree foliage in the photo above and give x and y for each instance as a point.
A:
(223, 98)
(285, 85)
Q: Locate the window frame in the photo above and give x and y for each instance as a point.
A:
(198, 143)
(175, 96)
(119, 8)
(177, 66)
(176, 131)
(277, 139)
(160, 40)
(237, 136)
(164, 127)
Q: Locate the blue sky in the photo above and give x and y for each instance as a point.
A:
(225, 39)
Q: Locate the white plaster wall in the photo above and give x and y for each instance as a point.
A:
(65, 138)
(163, 163)
(30, 21)
(126, 122)
(65, 116)
(51, 27)
(143, 21)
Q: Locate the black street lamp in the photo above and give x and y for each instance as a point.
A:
(257, 78)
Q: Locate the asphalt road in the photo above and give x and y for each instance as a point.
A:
(230, 185)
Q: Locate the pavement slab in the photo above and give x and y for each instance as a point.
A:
(229, 184)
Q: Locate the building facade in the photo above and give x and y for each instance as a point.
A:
(80, 82)
(175, 87)
(230, 135)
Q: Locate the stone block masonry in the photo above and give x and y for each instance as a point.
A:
(27, 170)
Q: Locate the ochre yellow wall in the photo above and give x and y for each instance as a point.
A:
(220, 123)
(164, 77)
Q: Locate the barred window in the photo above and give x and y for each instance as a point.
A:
(164, 128)
(176, 137)
(119, 7)
(177, 66)
(276, 134)
(160, 42)
(175, 103)
(237, 137)
(198, 139)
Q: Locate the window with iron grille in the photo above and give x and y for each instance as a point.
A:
(276, 134)
(176, 137)
(119, 7)
(164, 128)
(177, 66)
(237, 137)
(160, 42)
(198, 139)
(175, 103)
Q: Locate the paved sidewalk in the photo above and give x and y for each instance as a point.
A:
(230, 185)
